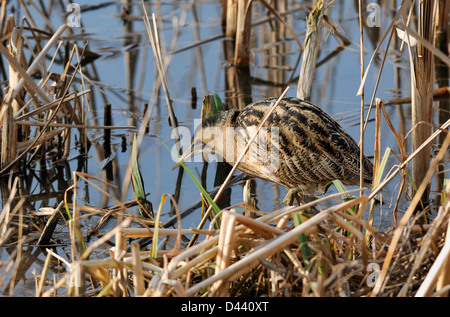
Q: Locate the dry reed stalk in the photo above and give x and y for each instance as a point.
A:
(11, 209)
(226, 243)
(76, 239)
(376, 157)
(243, 33)
(344, 42)
(203, 257)
(311, 51)
(7, 212)
(361, 123)
(25, 146)
(390, 29)
(120, 205)
(261, 228)
(287, 211)
(422, 104)
(3, 16)
(128, 262)
(138, 278)
(231, 19)
(403, 157)
(119, 288)
(71, 126)
(8, 140)
(439, 268)
(428, 45)
(442, 74)
(149, 232)
(25, 78)
(41, 278)
(49, 106)
(9, 128)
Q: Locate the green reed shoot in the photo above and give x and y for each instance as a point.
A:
(145, 208)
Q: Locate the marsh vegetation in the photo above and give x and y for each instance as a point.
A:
(93, 101)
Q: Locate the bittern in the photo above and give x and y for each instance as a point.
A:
(299, 147)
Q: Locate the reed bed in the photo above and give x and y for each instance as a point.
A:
(257, 254)
(327, 247)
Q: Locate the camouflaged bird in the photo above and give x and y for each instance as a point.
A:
(300, 146)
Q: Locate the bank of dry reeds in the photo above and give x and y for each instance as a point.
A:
(264, 255)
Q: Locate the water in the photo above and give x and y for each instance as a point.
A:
(126, 75)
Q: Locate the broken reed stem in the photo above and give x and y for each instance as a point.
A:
(9, 131)
(27, 76)
(311, 51)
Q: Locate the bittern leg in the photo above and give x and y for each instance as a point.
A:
(291, 194)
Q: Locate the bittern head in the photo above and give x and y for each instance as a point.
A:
(210, 136)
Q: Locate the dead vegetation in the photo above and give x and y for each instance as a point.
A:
(328, 247)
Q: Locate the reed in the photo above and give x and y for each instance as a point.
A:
(243, 33)
(422, 101)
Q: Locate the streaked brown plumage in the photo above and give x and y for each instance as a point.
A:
(311, 150)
